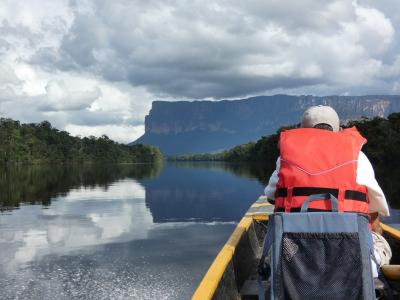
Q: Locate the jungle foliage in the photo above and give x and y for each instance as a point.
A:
(42, 143)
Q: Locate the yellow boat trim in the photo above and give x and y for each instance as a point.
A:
(261, 204)
(391, 231)
(261, 217)
(210, 281)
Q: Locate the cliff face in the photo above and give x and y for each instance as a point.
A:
(205, 126)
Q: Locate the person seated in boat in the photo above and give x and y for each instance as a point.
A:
(320, 157)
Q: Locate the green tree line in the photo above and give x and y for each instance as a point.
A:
(382, 148)
(42, 143)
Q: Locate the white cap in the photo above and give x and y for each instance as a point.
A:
(320, 115)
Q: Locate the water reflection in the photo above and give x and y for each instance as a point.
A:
(40, 183)
(100, 241)
(92, 205)
(248, 170)
(180, 192)
(85, 217)
(201, 192)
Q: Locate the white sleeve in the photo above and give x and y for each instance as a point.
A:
(270, 189)
(366, 176)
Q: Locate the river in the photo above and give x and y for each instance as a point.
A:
(117, 231)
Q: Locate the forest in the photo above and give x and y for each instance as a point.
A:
(382, 149)
(41, 143)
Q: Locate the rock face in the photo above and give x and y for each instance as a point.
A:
(207, 126)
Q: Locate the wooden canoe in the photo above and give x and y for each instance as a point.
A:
(232, 274)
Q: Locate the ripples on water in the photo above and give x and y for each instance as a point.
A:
(120, 233)
(159, 268)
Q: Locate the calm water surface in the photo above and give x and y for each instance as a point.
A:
(117, 231)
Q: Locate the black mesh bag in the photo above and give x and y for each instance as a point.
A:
(320, 255)
(321, 266)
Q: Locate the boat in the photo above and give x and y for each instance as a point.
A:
(233, 274)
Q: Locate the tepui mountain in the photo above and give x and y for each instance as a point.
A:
(187, 127)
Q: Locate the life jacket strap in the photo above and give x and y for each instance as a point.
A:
(307, 191)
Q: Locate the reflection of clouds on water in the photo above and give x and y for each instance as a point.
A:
(32, 241)
(120, 190)
(167, 265)
(106, 242)
(57, 234)
(98, 243)
(85, 217)
(134, 218)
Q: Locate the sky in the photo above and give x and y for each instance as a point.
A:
(93, 67)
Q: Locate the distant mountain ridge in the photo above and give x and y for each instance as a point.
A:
(186, 127)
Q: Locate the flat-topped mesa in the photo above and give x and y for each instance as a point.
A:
(178, 117)
(185, 127)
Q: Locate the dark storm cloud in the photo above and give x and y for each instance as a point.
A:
(51, 59)
(193, 84)
(229, 48)
(84, 39)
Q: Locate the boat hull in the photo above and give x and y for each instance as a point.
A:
(232, 275)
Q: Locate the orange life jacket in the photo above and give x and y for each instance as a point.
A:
(315, 161)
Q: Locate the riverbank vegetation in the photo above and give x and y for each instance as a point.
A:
(383, 150)
(42, 143)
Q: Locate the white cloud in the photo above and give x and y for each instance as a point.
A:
(97, 65)
(374, 30)
(124, 134)
(60, 98)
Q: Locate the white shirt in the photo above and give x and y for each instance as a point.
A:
(365, 176)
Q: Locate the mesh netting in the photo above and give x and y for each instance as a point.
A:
(321, 266)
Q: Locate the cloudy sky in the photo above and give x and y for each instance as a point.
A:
(95, 66)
